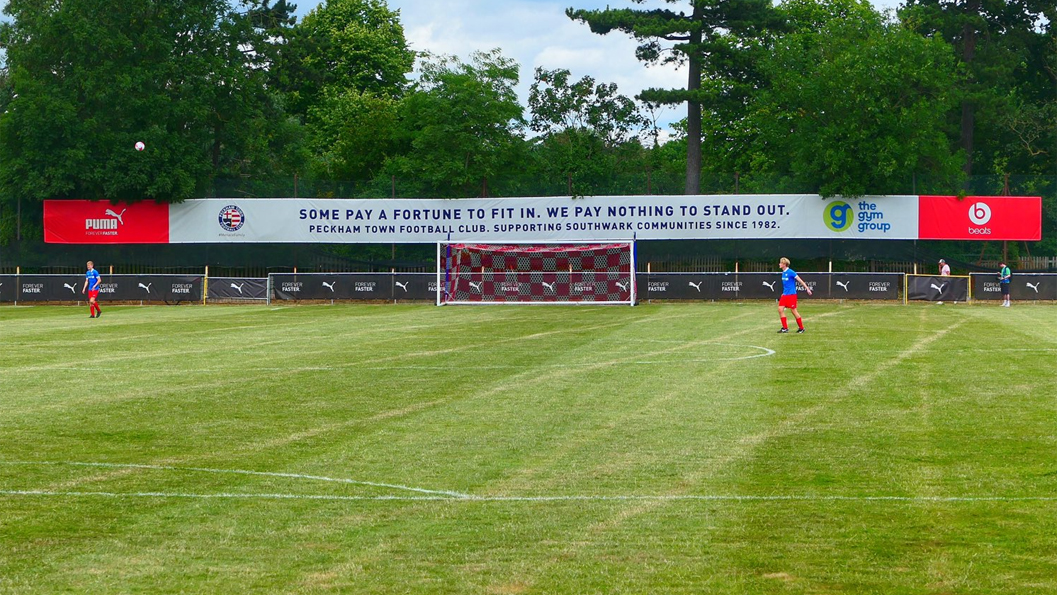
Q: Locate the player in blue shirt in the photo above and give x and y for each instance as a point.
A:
(92, 281)
(788, 300)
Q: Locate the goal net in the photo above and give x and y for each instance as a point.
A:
(538, 273)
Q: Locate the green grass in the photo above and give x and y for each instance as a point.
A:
(891, 449)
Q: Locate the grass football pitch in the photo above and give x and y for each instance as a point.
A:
(665, 448)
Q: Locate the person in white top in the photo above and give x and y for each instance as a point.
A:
(945, 271)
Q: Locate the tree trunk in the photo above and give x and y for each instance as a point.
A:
(693, 131)
(693, 108)
(968, 113)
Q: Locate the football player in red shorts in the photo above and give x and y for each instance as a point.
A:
(92, 281)
(788, 300)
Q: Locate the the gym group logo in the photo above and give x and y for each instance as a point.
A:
(105, 226)
(840, 216)
(231, 218)
(979, 214)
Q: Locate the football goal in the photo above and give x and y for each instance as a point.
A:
(536, 273)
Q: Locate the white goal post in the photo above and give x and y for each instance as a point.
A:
(536, 273)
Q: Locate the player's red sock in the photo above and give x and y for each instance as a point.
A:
(95, 308)
(785, 322)
(91, 309)
(800, 322)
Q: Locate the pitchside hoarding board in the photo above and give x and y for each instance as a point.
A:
(733, 286)
(332, 286)
(601, 218)
(237, 288)
(8, 285)
(414, 286)
(934, 288)
(145, 288)
(1022, 286)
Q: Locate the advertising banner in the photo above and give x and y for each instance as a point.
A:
(94, 222)
(414, 286)
(1022, 286)
(732, 286)
(980, 218)
(67, 288)
(50, 288)
(601, 218)
(860, 286)
(237, 288)
(332, 286)
(8, 288)
(934, 288)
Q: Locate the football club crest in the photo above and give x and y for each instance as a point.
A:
(231, 218)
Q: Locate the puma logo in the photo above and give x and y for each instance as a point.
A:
(147, 286)
(940, 288)
(549, 286)
(770, 285)
(117, 215)
(1035, 286)
(696, 286)
(475, 286)
(70, 287)
(330, 286)
(237, 287)
(402, 286)
(844, 285)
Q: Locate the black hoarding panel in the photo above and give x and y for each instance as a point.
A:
(676, 286)
(237, 288)
(861, 286)
(332, 286)
(8, 288)
(1022, 287)
(937, 289)
(151, 288)
(415, 286)
(50, 288)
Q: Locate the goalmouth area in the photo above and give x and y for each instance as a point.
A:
(666, 448)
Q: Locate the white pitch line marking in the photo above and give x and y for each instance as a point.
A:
(596, 498)
(445, 493)
(765, 352)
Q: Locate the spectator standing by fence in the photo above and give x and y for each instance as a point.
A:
(1004, 275)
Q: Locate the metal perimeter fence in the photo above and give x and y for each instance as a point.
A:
(396, 287)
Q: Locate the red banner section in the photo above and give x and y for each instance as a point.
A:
(980, 218)
(92, 222)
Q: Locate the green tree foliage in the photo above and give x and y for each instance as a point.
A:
(461, 125)
(853, 105)
(353, 133)
(346, 45)
(1007, 50)
(93, 77)
(586, 129)
(710, 41)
